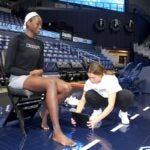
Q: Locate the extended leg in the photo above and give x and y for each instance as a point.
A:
(50, 85)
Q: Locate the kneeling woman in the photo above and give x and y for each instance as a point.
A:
(102, 90)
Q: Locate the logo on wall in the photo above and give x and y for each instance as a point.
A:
(130, 26)
(100, 24)
(115, 25)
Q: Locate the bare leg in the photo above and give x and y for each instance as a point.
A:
(64, 91)
(44, 116)
(50, 85)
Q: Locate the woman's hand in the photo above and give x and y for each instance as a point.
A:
(37, 72)
(73, 122)
(92, 122)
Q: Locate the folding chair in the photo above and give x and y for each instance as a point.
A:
(25, 103)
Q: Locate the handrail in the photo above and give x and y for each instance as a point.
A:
(88, 54)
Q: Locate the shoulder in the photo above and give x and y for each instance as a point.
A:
(88, 83)
(110, 77)
(21, 35)
(18, 37)
(15, 39)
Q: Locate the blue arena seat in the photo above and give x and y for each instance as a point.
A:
(129, 80)
(126, 70)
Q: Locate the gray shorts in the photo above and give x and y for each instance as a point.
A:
(17, 81)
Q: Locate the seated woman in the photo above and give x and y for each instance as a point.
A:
(24, 61)
(102, 90)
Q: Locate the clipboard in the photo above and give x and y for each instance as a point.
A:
(80, 119)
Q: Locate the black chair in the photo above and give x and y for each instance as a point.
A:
(25, 103)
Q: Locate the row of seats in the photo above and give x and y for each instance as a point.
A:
(61, 55)
(11, 19)
(4, 41)
(61, 50)
(69, 71)
(79, 52)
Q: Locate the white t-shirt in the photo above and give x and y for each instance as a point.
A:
(108, 84)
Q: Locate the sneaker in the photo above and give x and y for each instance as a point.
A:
(125, 128)
(124, 117)
(73, 101)
(95, 114)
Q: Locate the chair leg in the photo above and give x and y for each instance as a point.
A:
(19, 113)
(8, 117)
(21, 121)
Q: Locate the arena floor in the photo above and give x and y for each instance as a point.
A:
(110, 136)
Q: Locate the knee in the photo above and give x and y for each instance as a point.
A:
(67, 88)
(129, 96)
(50, 84)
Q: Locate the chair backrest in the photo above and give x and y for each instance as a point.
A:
(136, 71)
(126, 70)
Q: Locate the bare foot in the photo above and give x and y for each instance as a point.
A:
(64, 140)
(44, 124)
